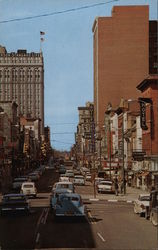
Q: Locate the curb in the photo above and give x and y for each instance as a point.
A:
(108, 200)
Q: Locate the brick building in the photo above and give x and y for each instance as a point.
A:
(122, 44)
(149, 89)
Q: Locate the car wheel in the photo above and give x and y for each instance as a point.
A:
(141, 214)
(153, 220)
(146, 214)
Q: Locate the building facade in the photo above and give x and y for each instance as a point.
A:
(121, 55)
(22, 80)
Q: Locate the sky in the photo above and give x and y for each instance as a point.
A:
(67, 51)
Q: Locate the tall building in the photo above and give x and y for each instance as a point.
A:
(121, 55)
(22, 80)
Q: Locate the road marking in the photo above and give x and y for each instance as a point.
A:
(46, 215)
(112, 200)
(93, 199)
(39, 220)
(129, 201)
(37, 238)
(101, 237)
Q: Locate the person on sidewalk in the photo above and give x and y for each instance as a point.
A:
(116, 187)
(121, 187)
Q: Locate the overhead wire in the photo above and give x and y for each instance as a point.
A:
(56, 12)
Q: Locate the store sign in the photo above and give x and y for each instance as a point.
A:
(143, 115)
(138, 156)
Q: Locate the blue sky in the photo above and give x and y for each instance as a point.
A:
(67, 50)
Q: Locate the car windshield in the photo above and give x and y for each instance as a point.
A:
(14, 198)
(19, 179)
(145, 198)
(28, 185)
(105, 183)
(64, 185)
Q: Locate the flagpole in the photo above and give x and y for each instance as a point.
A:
(42, 33)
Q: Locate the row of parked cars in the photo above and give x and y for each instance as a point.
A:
(23, 187)
(147, 205)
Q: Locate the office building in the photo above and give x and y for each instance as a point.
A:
(22, 81)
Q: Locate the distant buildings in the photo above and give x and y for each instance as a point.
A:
(22, 81)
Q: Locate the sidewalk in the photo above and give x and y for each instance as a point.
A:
(131, 195)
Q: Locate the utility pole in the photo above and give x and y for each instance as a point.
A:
(110, 147)
(123, 167)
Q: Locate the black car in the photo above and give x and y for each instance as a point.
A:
(14, 203)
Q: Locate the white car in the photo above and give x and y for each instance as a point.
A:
(79, 180)
(64, 178)
(141, 205)
(105, 187)
(29, 189)
(69, 173)
(64, 185)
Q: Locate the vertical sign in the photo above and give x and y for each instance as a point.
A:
(143, 115)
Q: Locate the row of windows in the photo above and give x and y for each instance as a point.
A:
(19, 60)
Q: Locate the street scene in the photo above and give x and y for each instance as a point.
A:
(79, 124)
(109, 222)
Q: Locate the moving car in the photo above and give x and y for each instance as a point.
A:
(64, 178)
(14, 203)
(55, 194)
(17, 182)
(29, 189)
(69, 204)
(105, 187)
(141, 205)
(62, 169)
(69, 173)
(34, 176)
(64, 184)
(79, 180)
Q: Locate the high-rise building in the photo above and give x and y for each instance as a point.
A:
(22, 81)
(121, 55)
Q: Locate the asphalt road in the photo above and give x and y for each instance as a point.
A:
(108, 225)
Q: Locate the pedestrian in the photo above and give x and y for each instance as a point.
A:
(121, 186)
(116, 187)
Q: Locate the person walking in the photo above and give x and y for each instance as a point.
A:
(116, 187)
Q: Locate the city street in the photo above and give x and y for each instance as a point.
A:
(108, 224)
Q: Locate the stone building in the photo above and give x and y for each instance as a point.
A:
(22, 80)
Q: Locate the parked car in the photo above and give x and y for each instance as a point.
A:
(29, 189)
(105, 187)
(55, 194)
(153, 207)
(69, 204)
(79, 180)
(14, 203)
(88, 177)
(141, 205)
(97, 180)
(63, 184)
(17, 182)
